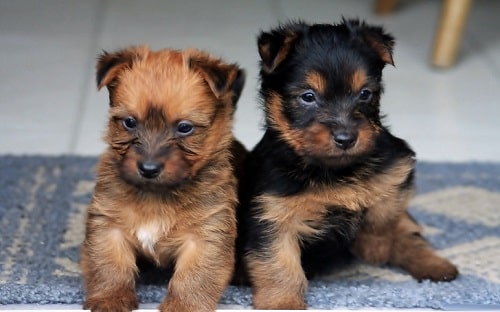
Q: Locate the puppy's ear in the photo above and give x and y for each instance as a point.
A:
(381, 42)
(237, 85)
(222, 78)
(109, 65)
(275, 46)
(376, 37)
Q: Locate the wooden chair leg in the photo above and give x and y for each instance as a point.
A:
(454, 15)
(383, 7)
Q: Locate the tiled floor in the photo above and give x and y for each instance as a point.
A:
(49, 104)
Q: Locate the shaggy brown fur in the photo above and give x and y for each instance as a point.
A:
(327, 177)
(165, 187)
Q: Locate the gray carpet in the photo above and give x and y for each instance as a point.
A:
(43, 200)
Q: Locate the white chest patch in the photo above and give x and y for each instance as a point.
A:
(148, 235)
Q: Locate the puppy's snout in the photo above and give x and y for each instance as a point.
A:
(345, 139)
(149, 169)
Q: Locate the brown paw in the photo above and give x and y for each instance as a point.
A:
(272, 303)
(436, 270)
(182, 305)
(119, 303)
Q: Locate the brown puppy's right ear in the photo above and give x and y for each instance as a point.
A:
(275, 46)
(221, 77)
(109, 65)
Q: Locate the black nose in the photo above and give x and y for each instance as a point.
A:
(149, 169)
(344, 139)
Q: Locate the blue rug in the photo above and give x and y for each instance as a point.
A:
(42, 209)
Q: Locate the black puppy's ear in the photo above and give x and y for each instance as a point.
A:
(275, 46)
(381, 42)
(109, 65)
(222, 78)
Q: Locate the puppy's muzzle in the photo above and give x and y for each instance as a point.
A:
(149, 169)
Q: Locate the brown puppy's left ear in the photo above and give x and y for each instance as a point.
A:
(109, 65)
(222, 78)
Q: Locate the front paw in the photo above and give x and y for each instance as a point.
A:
(115, 303)
(435, 269)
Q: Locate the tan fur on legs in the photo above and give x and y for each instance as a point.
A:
(277, 277)
(110, 260)
(411, 252)
(205, 263)
(401, 244)
(389, 236)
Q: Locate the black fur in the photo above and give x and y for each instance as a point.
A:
(320, 255)
(274, 167)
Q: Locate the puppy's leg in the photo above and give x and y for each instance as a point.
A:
(277, 278)
(399, 242)
(108, 267)
(203, 269)
(411, 252)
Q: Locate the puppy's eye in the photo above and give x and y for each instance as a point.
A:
(307, 98)
(184, 128)
(365, 95)
(129, 123)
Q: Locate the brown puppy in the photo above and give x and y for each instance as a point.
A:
(165, 185)
(327, 177)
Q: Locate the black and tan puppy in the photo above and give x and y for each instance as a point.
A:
(327, 176)
(165, 187)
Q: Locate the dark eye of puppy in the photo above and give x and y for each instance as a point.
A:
(365, 95)
(307, 98)
(184, 128)
(129, 123)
